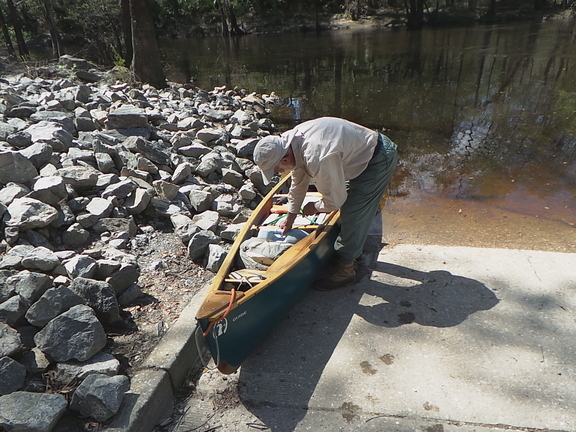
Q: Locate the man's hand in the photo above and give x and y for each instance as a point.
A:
(310, 209)
(287, 222)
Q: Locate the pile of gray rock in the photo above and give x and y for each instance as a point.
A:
(84, 163)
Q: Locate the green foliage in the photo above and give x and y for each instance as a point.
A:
(32, 13)
(118, 59)
(96, 25)
(120, 73)
(93, 26)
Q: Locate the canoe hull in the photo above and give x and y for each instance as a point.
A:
(233, 339)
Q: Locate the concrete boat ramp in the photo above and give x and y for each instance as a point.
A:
(431, 339)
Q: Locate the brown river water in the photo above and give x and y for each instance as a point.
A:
(484, 117)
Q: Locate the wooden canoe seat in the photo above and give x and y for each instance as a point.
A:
(244, 279)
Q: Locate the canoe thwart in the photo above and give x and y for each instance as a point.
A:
(300, 227)
(279, 209)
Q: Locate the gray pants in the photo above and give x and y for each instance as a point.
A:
(364, 195)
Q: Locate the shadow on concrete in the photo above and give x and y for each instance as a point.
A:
(436, 298)
(277, 382)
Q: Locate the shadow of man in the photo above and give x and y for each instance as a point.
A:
(277, 382)
(402, 295)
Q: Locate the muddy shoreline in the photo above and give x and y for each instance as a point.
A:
(445, 222)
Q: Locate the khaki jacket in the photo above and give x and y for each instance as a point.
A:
(328, 151)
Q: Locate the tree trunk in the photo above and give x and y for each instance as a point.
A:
(225, 31)
(317, 11)
(146, 63)
(17, 25)
(414, 14)
(235, 29)
(127, 30)
(6, 34)
(56, 49)
(491, 14)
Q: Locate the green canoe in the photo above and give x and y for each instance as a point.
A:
(243, 305)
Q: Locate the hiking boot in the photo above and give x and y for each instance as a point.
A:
(341, 276)
(333, 266)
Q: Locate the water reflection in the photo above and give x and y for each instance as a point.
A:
(481, 113)
(295, 105)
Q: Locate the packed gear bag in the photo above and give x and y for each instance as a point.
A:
(260, 252)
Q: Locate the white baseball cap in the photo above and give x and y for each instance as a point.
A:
(268, 153)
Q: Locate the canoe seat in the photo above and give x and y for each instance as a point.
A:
(244, 279)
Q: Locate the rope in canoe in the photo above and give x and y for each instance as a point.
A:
(210, 325)
(225, 314)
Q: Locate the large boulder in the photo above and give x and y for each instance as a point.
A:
(79, 177)
(30, 285)
(102, 363)
(50, 190)
(29, 213)
(38, 153)
(51, 133)
(198, 244)
(12, 311)
(99, 396)
(12, 191)
(6, 290)
(51, 304)
(31, 412)
(75, 334)
(150, 150)
(14, 167)
(123, 278)
(10, 341)
(126, 117)
(13, 375)
(41, 258)
(6, 130)
(100, 296)
(60, 118)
